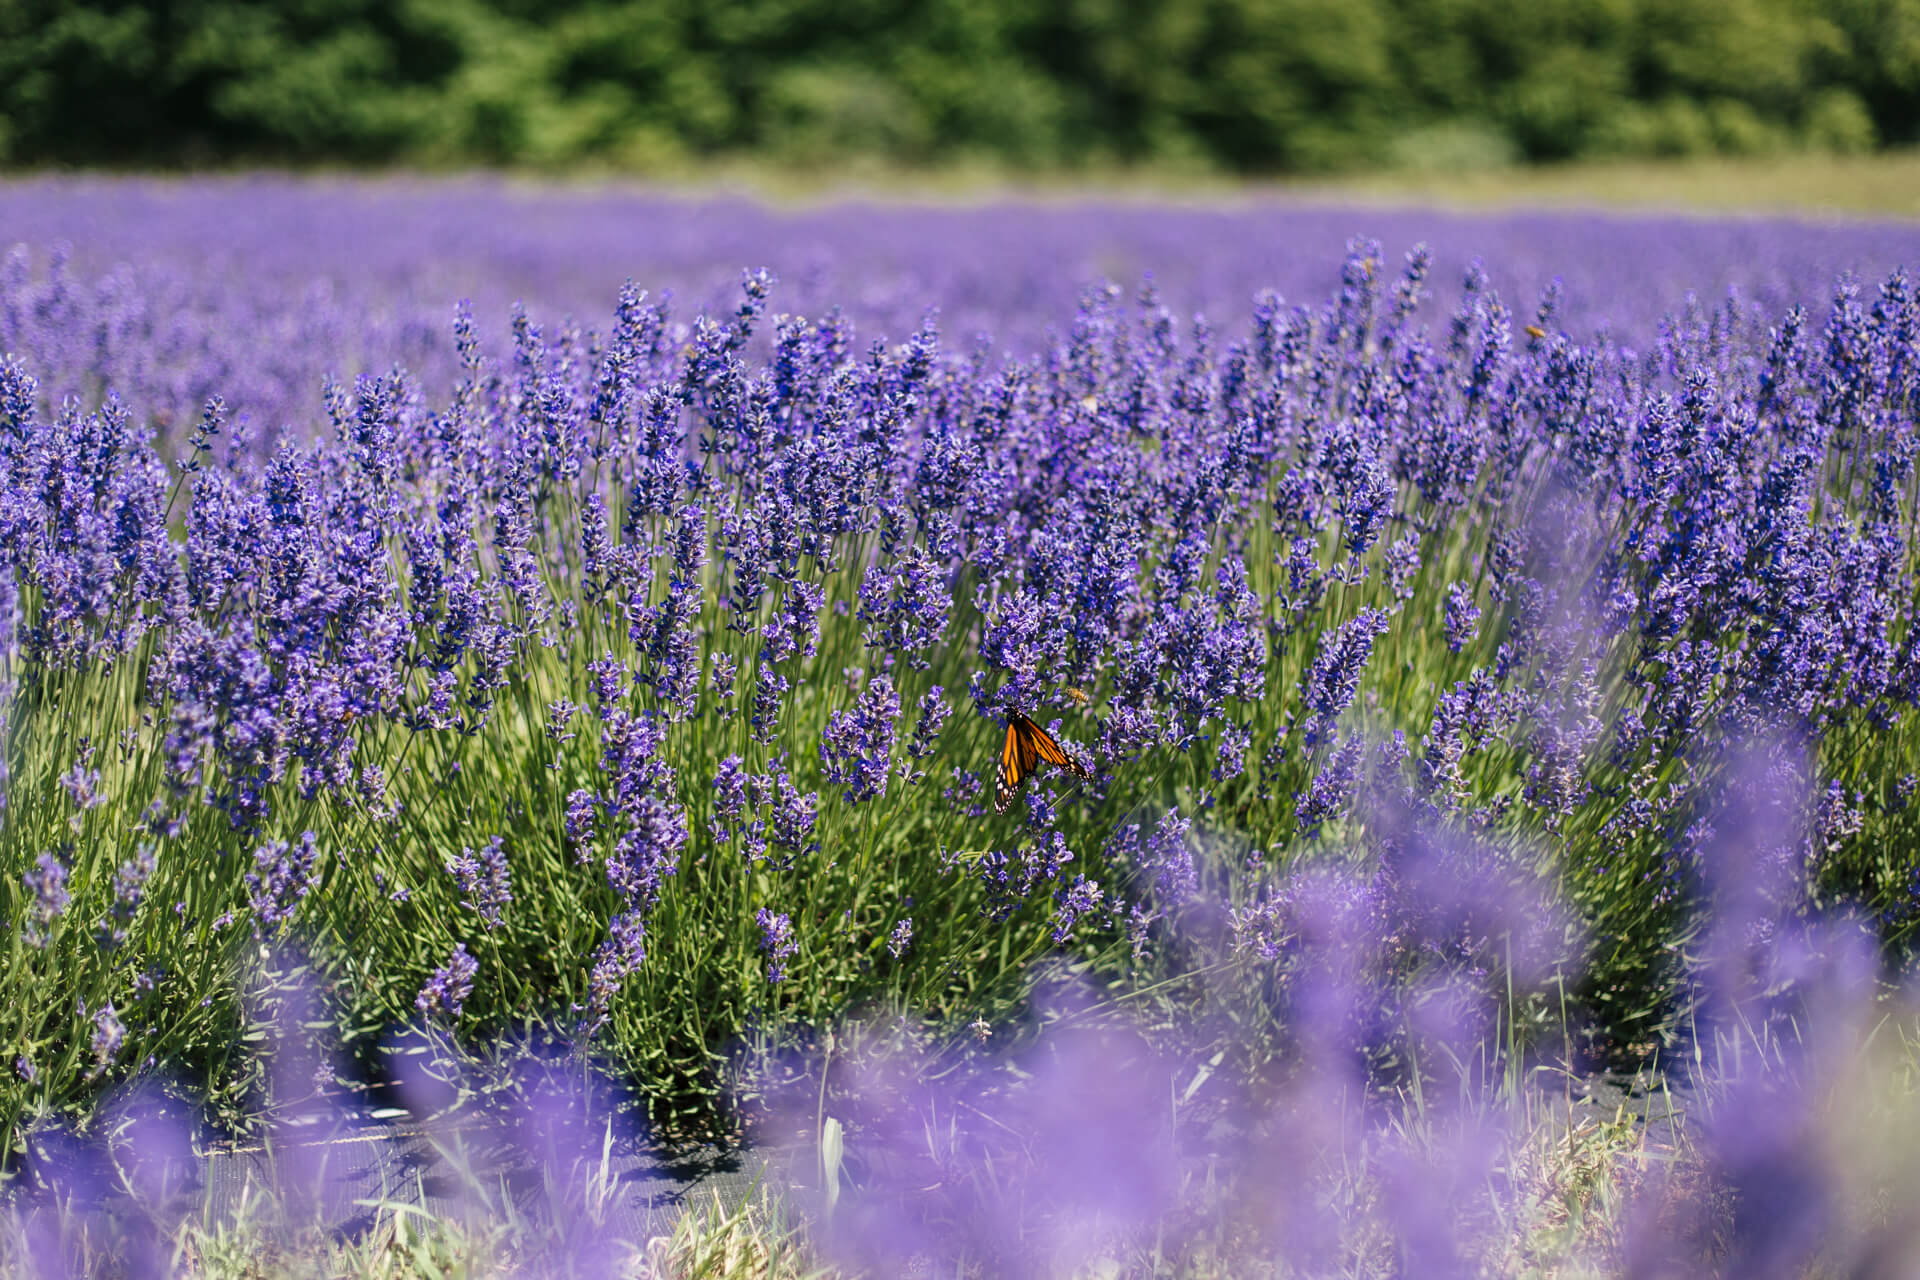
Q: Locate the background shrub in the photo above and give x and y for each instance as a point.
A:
(1245, 85)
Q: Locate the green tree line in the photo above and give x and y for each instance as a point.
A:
(1244, 85)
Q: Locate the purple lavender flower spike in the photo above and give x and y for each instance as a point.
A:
(777, 943)
(283, 874)
(729, 793)
(445, 993)
(486, 886)
(1334, 677)
(129, 888)
(47, 883)
(856, 749)
(647, 854)
(109, 1035)
(1462, 617)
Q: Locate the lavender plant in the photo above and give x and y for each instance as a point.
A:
(645, 681)
(259, 289)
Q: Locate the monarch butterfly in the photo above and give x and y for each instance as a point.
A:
(1028, 745)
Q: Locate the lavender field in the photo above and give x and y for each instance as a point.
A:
(451, 615)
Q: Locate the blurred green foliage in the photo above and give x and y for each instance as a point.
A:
(1239, 85)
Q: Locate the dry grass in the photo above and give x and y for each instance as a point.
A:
(1882, 186)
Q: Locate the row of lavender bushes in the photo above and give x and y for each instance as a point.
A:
(1089, 1143)
(647, 683)
(1085, 1149)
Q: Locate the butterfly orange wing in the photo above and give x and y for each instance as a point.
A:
(1010, 771)
(1027, 747)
